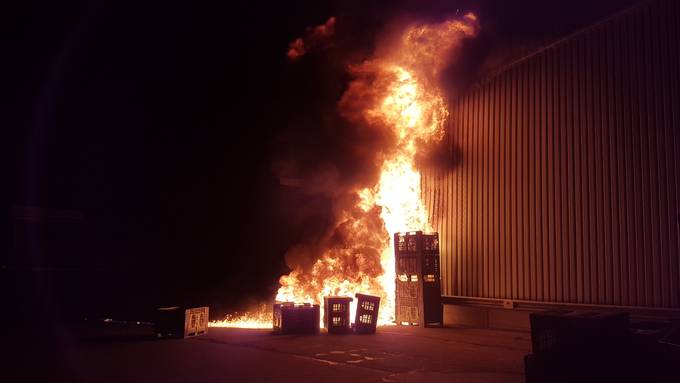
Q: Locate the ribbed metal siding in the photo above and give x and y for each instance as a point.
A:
(568, 189)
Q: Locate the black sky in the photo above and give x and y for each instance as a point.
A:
(161, 122)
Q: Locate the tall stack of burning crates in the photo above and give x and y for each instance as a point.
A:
(418, 279)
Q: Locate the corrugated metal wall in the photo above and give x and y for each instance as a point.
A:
(568, 187)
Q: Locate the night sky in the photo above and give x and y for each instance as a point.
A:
(165, 125)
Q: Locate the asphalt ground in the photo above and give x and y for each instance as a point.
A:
(130, 353)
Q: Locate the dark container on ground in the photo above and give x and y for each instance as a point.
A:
(418, 284)
(178, 322)
(582, 346)
(578, 331)
(292, 318)
(655, 351)
(366, 318)
(568, 368)
(336, 314)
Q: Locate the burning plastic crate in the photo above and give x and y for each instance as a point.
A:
(176, 322)
(296, 318)
(367, 314)
(336, 314)
(418, 281)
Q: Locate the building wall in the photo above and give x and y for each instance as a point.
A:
(566, 183)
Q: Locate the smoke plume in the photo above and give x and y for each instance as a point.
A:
(314, 37)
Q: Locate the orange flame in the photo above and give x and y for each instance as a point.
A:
(261, 317)
(398, 92)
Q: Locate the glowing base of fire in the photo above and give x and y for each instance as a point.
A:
(240, 324)
(262, 318)
(245, 324)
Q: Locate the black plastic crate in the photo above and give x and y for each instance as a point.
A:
(178, 322)
(638, 356)
(296, 318)
(366, 318)
(418, 284)
(578, 331)
(656, 348)
(549, 368)
(336, 314)
(626, 365)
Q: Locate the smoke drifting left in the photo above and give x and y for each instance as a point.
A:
(326, 152)
(314, 37)
(324, 156)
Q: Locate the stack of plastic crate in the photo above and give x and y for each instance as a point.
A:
(418, 284)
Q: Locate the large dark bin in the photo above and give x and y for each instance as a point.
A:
(293, 318)
(578, 331)
(178, 322)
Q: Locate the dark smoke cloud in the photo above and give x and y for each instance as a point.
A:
(314, 37)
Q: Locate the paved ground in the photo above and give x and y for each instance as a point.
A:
(394, 354)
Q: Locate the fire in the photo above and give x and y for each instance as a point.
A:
(261, 317)
(397, 92)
